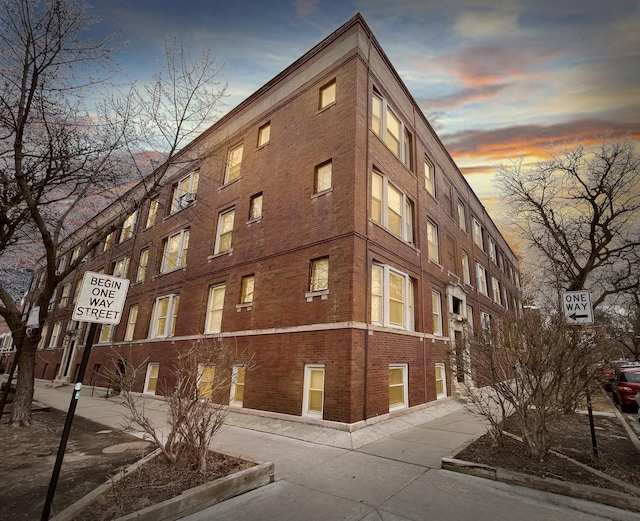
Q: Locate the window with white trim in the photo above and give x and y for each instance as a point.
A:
(121, 267)
(462, 217)
(390, 128)
(429, 179)
(505, 298)
(322, 179)
(224, 233)
(470, 317)
(108, 242)
(319, 274)
(106, 334)
(76, 293)
(313, 397)
(64, 296)
(183, 193)
(128, 226)
(436, 312)
(481, 279)
(432, 242)
(390, 208)
(206, 374)
(492, 251)
(43, 336)
(495, 287)
(151, 378)
(163, 318)
(398, 388)
(391, 297)
(174, 254)
(55, 335)
(255, 207)
(327, 94)
(238, 374)
(153, 212)
(485, 322)
(234, 163)
(62, 264)
(246, 292)
(215, 307)
(264, 134)
(466, 273)
(477, 234)
(75, 254)
(143, 262)
(131, 322)
(441, 381)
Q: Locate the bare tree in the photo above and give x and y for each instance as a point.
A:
(580, 210)
(58, 151)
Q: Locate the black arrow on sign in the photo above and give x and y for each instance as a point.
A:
(576, 317)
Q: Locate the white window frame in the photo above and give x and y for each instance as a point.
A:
(323, 177)
(154, 205)
(429, 177)
(442, 370)
(128, 226)
(436, 312)
(106, 334)
(255, 207)
(247, 287)
(327, 95)
(141, 272)
(233, 169)
(187, 184)
(62, 264)
(43, 336)
(108, 242)
(492, 251)
(147, 379)
(495, 289)
(462, 216)
(433, 248)
(384, 298)
(481, 279)
(264, 134)
(308, 368)
(201, 380)
(169, 319)
(64, 296)
(485, 322)
(55, 335)
(121, 267)
(220, 232)
(385, 134)
(234, 385)
(405, 384)
(213, 312)
(316, 283)
(180, 253)
(466, 269)
(132, 318)
(406, 207)
(478, 239)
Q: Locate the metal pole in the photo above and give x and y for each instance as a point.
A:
(67, 426)
(594, 443)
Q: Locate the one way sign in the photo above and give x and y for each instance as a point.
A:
(577, 307)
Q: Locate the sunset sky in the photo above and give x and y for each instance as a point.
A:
(496, 79)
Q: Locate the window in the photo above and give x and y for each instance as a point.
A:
(163, 319)
(436, 312)
(108, 242)
(131, 322)
(505, 298)
(237, 386)
(175, 251)
(55, 335)
(390, 208)
(246, 294)
(225, 231)
(52, 300)
(429, 182)
(75, 254)
(76, 293)
(106, 334)
(264, 134)
(322, 180)
(470, 317)
(183, 192)
(495, 287)
(328, 94)
(477, 234)
(313, 398)
(466, 275)
(319, 276)
(64, 297)
(128, 227)
(485, 322)
(151, 380)
(234, 162)
(153, 213)
(441, 381)
(214, 309)
(492, 251)
(432, 240)
(388, 126)
(481, 279)
(462, 218)
(206, 374)
(255, 207)
(142, 265)
(391, 297)
(43, 336)
(62, 264)
(121, 268)
(398, 395)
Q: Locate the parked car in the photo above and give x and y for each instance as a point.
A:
(609, 371)
(625, 387)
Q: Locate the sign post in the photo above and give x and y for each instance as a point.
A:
(578, 311)
(101, 301)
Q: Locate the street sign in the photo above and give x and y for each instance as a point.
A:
(577, 307)
(101, 298)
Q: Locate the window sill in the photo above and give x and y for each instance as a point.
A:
(253, 221)
(323, 294)
(248, 306)
(221, 254)
(326, 107)
(260, 147)
(229, 183)
(320, 194)
(181, 268)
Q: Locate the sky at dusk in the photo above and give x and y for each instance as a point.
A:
(496, 79)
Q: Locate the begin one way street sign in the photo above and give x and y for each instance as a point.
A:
(577, 307)
(101, 298)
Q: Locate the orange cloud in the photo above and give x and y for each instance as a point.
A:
(305, 7)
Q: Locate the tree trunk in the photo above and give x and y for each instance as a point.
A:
(21, 416)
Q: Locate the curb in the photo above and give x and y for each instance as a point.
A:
(555, 486)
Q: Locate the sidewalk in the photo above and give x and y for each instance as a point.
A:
(388, 471)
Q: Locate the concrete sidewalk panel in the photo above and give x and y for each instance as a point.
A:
(434, 437)
(407, 451)
(461, 422)
(359, 477)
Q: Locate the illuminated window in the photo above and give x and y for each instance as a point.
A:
(495, 288)
(108, 242)
(391, 297)
(206, 374)
(142, 265)
(388, 126)
(246, 295)
(55, 335)
(225, 231)
(131, 322)
(237, 385)
(153, 213)
(492, 251)
(128, 227)
(264, 134)
(255, 207)
(477, 234)
(328, 94)
(183, 193)
(398, 392)
(466, 274)
(436, 313)
(390, 208)
(441, 381)
(151, 379)
(175, 251)
(323, 177)
(106, 333)
(121, 267)
(214, 309)
(234, 162)
(481, 279)
(64, 296)
(313, 398)
(319, 277)
(163, 319)
(462, 219)
(432, 240)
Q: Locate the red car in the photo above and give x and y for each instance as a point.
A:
(625, 387)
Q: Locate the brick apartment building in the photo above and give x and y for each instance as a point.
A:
(328, 232)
